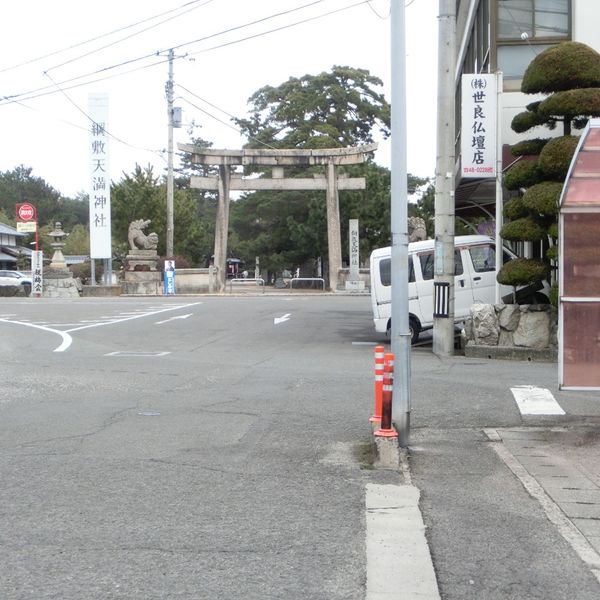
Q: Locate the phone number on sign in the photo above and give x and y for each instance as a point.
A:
(478, 169)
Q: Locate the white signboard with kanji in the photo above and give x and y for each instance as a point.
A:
(479, 123)
(100, 233)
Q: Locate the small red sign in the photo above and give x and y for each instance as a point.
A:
(25, 212)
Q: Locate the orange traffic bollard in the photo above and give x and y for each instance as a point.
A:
(386, 399)
(379, 350)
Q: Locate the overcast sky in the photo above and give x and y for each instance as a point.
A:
(54, 54)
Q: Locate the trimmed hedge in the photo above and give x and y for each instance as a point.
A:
(571, 103)
(526, 120)
(529, 147)
(542, 198)
(522, 271)
(555, 158)
(514, 209)
(522, 175)
(523, 229)
(562, 67)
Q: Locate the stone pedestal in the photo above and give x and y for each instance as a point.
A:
(59, 283)
(355, 285)
(142, 260)
(144, 283)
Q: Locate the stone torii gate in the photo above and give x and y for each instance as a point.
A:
(330, 181)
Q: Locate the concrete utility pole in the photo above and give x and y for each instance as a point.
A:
(169, 91)
(400, 336)
(443, 322)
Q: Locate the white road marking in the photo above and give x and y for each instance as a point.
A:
(283, 319)
(533, 400)
(173, 318)
(140, 353)
(66, 338)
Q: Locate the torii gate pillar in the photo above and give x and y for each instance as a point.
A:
(330, 158)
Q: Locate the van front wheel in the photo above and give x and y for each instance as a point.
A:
(414, 328)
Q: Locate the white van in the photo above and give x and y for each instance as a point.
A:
(474, 282)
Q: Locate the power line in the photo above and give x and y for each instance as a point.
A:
(99, 37)
(30, 94)
(217, 118)
(91, 120)
(283, 27)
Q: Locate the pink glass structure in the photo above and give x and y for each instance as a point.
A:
(579, 267)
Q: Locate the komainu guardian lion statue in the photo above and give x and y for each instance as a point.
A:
(138, 240)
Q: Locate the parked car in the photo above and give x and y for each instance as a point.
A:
(14, 278)
(475, 281)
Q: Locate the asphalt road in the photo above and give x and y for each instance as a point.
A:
(184, 448)
(202, 447)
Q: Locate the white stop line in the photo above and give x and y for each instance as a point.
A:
(533, 400)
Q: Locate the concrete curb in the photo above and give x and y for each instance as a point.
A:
(398, 560)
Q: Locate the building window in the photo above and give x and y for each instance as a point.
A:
(536, 18)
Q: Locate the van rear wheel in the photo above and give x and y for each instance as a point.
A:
(414, 327)
(415, 330)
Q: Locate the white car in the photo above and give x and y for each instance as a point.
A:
(14, 278)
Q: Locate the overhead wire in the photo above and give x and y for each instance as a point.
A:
(9, 98)
(94, 39)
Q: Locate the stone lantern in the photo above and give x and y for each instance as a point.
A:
(58, 280)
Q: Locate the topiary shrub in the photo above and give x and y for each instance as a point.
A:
(514, 209)
(530, 147)
(542, 198)
(552, 253)
(523, 229)
(555, 158)
(571, 103)
(526, 120)
(522, 271)
(522, 175)
(562, 67)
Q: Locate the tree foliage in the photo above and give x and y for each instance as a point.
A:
(334, 109)
(569, 73)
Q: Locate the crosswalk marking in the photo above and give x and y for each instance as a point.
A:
(533, 400)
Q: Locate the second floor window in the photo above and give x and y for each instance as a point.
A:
(536, 18)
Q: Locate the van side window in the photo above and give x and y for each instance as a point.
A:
(385, 271)
(427, 264)
(458, 266)
(484, 258)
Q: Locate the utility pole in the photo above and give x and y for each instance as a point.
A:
(169, 91)
(400, 335)
(443, 321)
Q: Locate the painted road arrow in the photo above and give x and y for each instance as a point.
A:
(283, 319)
(173, 318)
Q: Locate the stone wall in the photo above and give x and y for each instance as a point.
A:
(512, 331)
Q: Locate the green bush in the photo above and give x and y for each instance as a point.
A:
(562, 67)
(514, 209)
(522, 175)
(529, 147)
(524, 229)
(526, 120)
(553, 231)
(571, 103)
(522, 271)
(542, 198)
(554, 295)
(552, 253)
(555, 158)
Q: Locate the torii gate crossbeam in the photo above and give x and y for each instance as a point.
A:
(330, 181)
